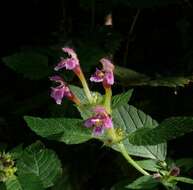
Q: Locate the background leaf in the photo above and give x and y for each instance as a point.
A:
(30, 64)
(169, 129)
(40, 163)
(129, 77)
(129, 119)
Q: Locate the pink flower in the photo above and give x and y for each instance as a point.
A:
(105, 75)
(70, 63)
(100, 121)
(60, 91)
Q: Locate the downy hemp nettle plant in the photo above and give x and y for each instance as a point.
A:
(118, 125)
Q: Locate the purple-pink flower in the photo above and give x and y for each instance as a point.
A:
(100, 121)
(105, 75)
(70, 63)
(60, 91)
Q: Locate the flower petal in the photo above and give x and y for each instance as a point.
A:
(107, 65)
(97, 131)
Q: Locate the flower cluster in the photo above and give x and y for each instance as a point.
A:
(7, 167)
(100, 120)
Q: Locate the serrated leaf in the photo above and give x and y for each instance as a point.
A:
(31, 64)
(25, 182)
(129, 77)
(121, 99)
(150, 165)
(13, 184)
(169, 129)
(41, 163)
(184, 180)
(129, 119)
(144, 182)
(70, 131)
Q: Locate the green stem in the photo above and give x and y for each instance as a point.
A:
(130, 160)
(112, 134)
(85, 86)
(108, 96)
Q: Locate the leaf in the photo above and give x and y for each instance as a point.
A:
(121, 99)
(169, 129)
(146, 4)
(25, 182)
(184, 179)
(70, 131)
(31, 64)
(150, 165)
(128, 77)
(13, 184)
(144, 182)
(79, 92)
(41, 163)
(129, 119)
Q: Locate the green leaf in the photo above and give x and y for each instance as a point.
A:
(169, 129)
(150, 165)
(145, 4)
(184, 179)
(128, 77)
(41, 163)
(129, 119)
(31, 64)
(25, 182)
(121, 99)
(78, 92)
(70, 131)
(13, 184)
(144, 182)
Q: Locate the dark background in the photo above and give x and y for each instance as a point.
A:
(160, 44)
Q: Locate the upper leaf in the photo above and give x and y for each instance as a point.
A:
(129, 119)
(41, 163)
(169, 129)
(70, 131)
(121, 99)
(31, 64)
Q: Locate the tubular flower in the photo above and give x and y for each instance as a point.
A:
(105, 75)
(60, 91)
(100, 121)
(70, 63)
